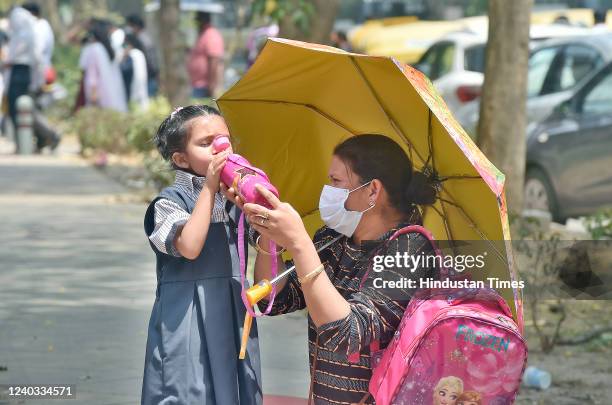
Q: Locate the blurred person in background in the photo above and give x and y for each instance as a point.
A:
(257, 39)
(4, 39)
(44, 41)
(42, 76)
(205, 65)
(21, 59)
(340, 41)
(117, 37)
(134, 71)
(136, 25)
(102, 83)
(599, 21)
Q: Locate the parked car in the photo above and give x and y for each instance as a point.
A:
(456, 63)
(556, 67)
(569, 154)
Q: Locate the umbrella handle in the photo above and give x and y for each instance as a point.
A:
(246, 331)
(254, 295)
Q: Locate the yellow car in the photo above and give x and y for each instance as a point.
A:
(407, 38)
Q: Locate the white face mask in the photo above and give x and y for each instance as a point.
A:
(333, 213)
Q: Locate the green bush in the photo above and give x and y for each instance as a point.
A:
(600, 224)
(101, 129)
(117, 132)
(144, 124)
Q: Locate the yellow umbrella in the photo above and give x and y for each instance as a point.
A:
(299, 100)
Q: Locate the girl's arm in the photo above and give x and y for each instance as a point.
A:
(190, 239)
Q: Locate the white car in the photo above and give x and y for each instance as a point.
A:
(455, 63)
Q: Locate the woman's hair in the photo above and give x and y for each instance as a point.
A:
(450, 381)
(173, 133)
(134, 42)
(98, 31)
(470, 396)
(379, 157)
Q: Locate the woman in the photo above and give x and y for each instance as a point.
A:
(134, 72)
(102, 82)
(373, 192)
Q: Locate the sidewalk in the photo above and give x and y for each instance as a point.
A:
(77, 284)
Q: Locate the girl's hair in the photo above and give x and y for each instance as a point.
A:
(134, 42)
(374, 156)
(173, 133)
(98, 31)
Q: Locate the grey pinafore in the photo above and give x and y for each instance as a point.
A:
(196, 323)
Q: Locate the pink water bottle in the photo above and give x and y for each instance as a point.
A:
(239, 174)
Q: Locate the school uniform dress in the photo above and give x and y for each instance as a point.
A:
(196, 322)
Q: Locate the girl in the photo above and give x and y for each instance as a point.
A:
(102, 83)
(195, 325)
(134, 72)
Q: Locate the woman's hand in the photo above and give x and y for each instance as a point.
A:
(214, 171)
(282, 223)
(231, 194)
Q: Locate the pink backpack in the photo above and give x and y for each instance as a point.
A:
(451, 347)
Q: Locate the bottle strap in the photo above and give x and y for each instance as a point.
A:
(242, 257)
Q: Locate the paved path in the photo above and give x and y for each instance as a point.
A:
(77, 284)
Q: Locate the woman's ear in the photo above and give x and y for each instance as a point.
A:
(374, 191)
(180, 160)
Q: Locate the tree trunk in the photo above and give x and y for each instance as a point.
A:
(321, 23)
(503, 121)
(173, 52)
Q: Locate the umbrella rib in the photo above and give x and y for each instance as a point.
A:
(309, 106)
(392, 121)
(459, 176)
(471, 223)
(430, 140)
(433, 166)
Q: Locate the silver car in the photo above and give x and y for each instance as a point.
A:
(569, 154)
(556, 67)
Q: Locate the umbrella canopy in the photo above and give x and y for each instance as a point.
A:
(298, 101)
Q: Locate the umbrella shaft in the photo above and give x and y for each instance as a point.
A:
(292, 268)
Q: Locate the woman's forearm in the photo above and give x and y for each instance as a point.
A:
(324, 302)
(190, 239)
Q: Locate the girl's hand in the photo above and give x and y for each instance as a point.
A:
(231, 195)
(282, 223)
(214, 171)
